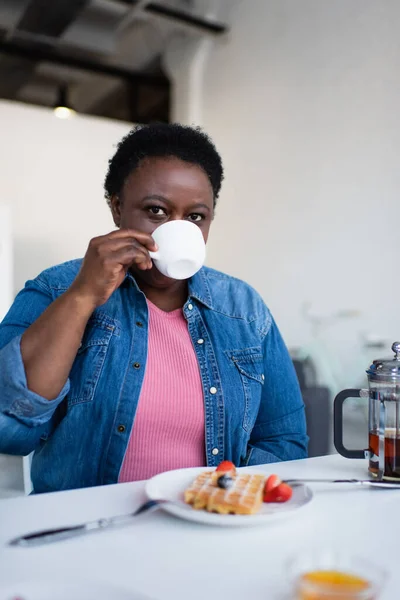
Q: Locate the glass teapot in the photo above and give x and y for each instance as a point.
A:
(384, 418)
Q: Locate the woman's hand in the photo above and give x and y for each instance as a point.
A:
(107, 260)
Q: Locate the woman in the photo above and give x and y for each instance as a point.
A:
(109, 371)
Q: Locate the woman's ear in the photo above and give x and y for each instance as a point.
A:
(115, 205)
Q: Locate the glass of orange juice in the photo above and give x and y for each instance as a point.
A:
(328, 575)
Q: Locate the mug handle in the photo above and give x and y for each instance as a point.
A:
(338, 424)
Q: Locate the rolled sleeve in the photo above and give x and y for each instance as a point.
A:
(16, 400)
(23, 412)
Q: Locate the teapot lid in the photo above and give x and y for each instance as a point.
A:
(386, 368)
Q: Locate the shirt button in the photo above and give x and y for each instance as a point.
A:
(215, 451)
(121, 428)
(139, 323)
(263, 377)
(190, 306)
(200, 341)
(136, 365)
(213, 390)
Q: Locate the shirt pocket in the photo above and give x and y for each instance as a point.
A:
(249, 363)
(90, 358)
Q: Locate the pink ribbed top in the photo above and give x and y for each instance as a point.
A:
(168, 431)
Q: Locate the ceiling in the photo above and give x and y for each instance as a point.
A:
(105, 54)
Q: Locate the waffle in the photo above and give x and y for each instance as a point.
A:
(244, 497)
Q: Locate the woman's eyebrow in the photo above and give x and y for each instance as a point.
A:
(169, 202)
(157, 197)
(200, 205)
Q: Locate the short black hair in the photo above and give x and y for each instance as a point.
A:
(189, 144)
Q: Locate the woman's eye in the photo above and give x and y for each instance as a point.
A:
(195, 217)
(157, 210)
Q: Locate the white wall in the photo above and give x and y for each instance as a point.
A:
(51, 177)
(302, 100)
(6, 264)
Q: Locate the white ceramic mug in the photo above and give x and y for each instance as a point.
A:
(181, 249)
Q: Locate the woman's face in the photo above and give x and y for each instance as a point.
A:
(161, 190)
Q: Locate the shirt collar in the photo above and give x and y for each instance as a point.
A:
(198, 285)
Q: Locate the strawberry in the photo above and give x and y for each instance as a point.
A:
(272, 482)
(226, 466)
(281, 493)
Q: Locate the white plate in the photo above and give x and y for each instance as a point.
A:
(62, 590)
(172, 484)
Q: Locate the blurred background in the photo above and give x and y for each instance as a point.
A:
(302, 100)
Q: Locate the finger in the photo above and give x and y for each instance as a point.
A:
(126, 257)
(137, 252)
(143, 238)
(130, 254)
(112, 245)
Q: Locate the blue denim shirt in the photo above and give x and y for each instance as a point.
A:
(254, 412)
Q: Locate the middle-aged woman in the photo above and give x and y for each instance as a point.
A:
(110, 371)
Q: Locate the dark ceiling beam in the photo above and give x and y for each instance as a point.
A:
(36, 53)
(185, 18)
(182, 17)
(44, 18)
(50, 18)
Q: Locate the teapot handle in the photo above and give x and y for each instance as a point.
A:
(338, 423)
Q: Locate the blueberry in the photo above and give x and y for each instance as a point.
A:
(225, 482)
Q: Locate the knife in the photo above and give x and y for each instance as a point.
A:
(49, 536)
(379, 483)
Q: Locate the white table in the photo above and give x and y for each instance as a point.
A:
(170, 559)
